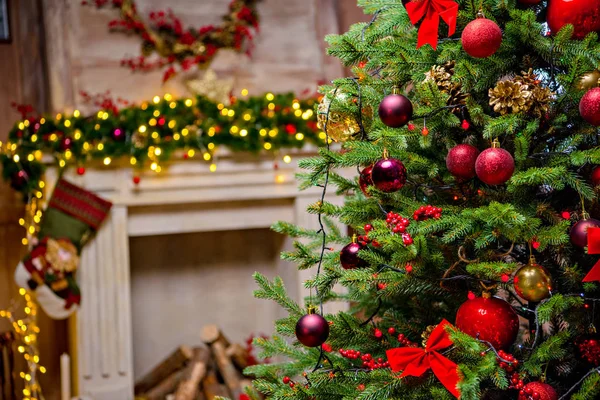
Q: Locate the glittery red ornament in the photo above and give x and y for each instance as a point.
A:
(364, 181)
(349, 257)
(395, 110)
(489, 319)
(538, 391)
(494, 166)
(589, 107)
(312, 330)
(481, 38)
(388, 175)
(461, 161)
(584, 15)
(579, 231)
(596, 176)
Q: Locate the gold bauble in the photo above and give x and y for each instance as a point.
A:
(341, 126)
(532, 282)
(589, 80)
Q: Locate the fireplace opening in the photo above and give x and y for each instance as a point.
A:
(183, 282)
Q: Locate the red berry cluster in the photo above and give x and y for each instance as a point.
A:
(398, 224)
(405, 342)
(590, 350)
(512, 363)
(516, 382)
(364, 240)
(528, 393)
(367, 359)
(425, 212)
(288, 381)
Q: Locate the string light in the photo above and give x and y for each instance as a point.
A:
(244, 92)
(287, 159)
(156, 99)
(270, 96)
(213, 167)
(188, 102)
(206, 156)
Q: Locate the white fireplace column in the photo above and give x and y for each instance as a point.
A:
(169, 203)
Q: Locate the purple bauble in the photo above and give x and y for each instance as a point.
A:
(312, 330)
(349, 257)
(579, 234)
(395, 110)
(461, 161)
(389, 175)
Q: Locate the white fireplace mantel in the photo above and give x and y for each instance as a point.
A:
(185, 198)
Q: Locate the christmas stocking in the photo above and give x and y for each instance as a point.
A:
(72, 217)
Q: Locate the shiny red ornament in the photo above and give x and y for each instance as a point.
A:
(481, 38)
(388, 175)
(494, 166)
(312, 330)
(584, 15)
(395, 110)
(538, 391)
(137, 180)
(589, 106)
(579, 231)
(490, 319)
(81, 171)
(596, 176)
(349, 257)
(461, 161)
(364, 180)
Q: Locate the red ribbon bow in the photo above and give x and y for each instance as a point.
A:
(416, 361)
(432, 10)
(593, 237)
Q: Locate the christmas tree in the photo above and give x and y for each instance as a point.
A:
(472, 127)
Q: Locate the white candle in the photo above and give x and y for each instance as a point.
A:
(65, 377)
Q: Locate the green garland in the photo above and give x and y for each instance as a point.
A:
(153, 133)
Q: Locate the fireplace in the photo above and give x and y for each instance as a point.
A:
(170, 212)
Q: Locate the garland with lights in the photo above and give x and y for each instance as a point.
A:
(174, 45)
(154, 133)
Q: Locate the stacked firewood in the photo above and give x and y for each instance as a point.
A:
(200, 373)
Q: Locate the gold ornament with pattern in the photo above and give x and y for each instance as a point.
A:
(589, 80)
(342, 126)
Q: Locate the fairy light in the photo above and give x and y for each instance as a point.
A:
(270, 96)
(107, 160)
(191, 153)
(263, 132)
(156, 99)
(33, 138)
(155, 135)
(172, 124)
(100, 146)
(299, 136)
(188, 102)
(67, 123)
(298, 113)
(247, 117)
(133, 161)
(244, 92)
(185, 132)
(53, 137)
(213, 167)
(234, 129)
(156, 113)
(152, 122)
(26, 123)
(211, 131)
(16, 158)
(21, 126)
(176, 136)
(267, 146)
(296, 105)
(287, 159)
(25, 331)
(142, 129)
(244, 132)
(172, 105)
(220, 106)
(273, 132)
(157, 151)
(206, 156)
(76, 113)
(211, 146)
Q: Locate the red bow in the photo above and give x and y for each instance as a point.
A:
(432, 10)
(593, 237)
(415, 361)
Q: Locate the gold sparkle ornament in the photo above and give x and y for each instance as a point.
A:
(532, 282)
(211, 87)
(341, 125)
(589, 80)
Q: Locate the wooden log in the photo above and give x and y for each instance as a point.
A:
(211, 334)
(188, 388)
(174, 362)
(211, 386)
(239, 356)
(230, 374)
(167, 386)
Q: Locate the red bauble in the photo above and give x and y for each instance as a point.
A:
(364, 181)
(596, 176)
(80, 170)
(137, 180)
(461, 161)
(349, 257)
(489, 319)
(388, 175)
(543, 390)
(584, 15)
(579, 231)
(481, 38)
(494, 166)
(395, 110)
(312, 330)
(589, 107)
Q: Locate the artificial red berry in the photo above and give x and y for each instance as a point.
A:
(411, 126)
(465, 124)
(286, 379)
(377, 333)
(392, 331)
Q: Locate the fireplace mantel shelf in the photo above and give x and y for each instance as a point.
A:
(185, 198)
